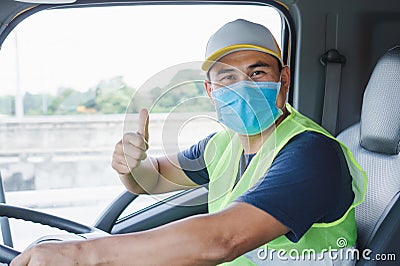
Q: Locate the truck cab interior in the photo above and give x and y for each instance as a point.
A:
(345, 62)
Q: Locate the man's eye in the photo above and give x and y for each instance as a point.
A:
(228, 77)
(257, 73)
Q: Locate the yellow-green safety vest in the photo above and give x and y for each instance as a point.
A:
(222, 156)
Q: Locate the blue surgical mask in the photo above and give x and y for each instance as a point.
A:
(247, 107)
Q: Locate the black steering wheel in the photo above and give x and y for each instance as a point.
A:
(7, 254)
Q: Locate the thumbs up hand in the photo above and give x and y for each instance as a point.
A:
(132, 149)
(144, 124)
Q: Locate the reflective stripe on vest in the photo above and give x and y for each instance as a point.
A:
(222, 156)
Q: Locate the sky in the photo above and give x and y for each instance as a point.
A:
(78, 48)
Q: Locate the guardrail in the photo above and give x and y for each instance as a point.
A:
(74, 151)
(90, 134)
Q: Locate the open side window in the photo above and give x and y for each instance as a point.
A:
(70, 76)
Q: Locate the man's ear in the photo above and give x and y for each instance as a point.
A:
(285, 78)
(207, 85)
(284, 89)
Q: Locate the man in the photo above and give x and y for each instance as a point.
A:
(278, 183)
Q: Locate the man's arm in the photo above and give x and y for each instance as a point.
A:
(199, 240)
(141, 174)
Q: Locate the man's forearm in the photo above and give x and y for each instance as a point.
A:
(186, 242)
(143, 179)
(207, 239)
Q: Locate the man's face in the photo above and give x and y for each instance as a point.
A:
(248, 65)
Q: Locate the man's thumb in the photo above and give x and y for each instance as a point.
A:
(144, 123)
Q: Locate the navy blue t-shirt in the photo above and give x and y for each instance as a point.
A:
(308, 182)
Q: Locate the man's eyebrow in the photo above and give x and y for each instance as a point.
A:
(224, 71)
(255, 65)
(259, 64)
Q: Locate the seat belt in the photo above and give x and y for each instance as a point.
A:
(333, 62)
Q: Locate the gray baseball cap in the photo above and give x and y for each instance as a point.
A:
(240, 35)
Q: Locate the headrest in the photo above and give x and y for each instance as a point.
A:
(380, 115)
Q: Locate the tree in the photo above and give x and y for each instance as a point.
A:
(114, 95)
(7, 105)
(184, 93)
(108, 97)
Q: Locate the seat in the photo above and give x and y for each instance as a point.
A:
(375, 143)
